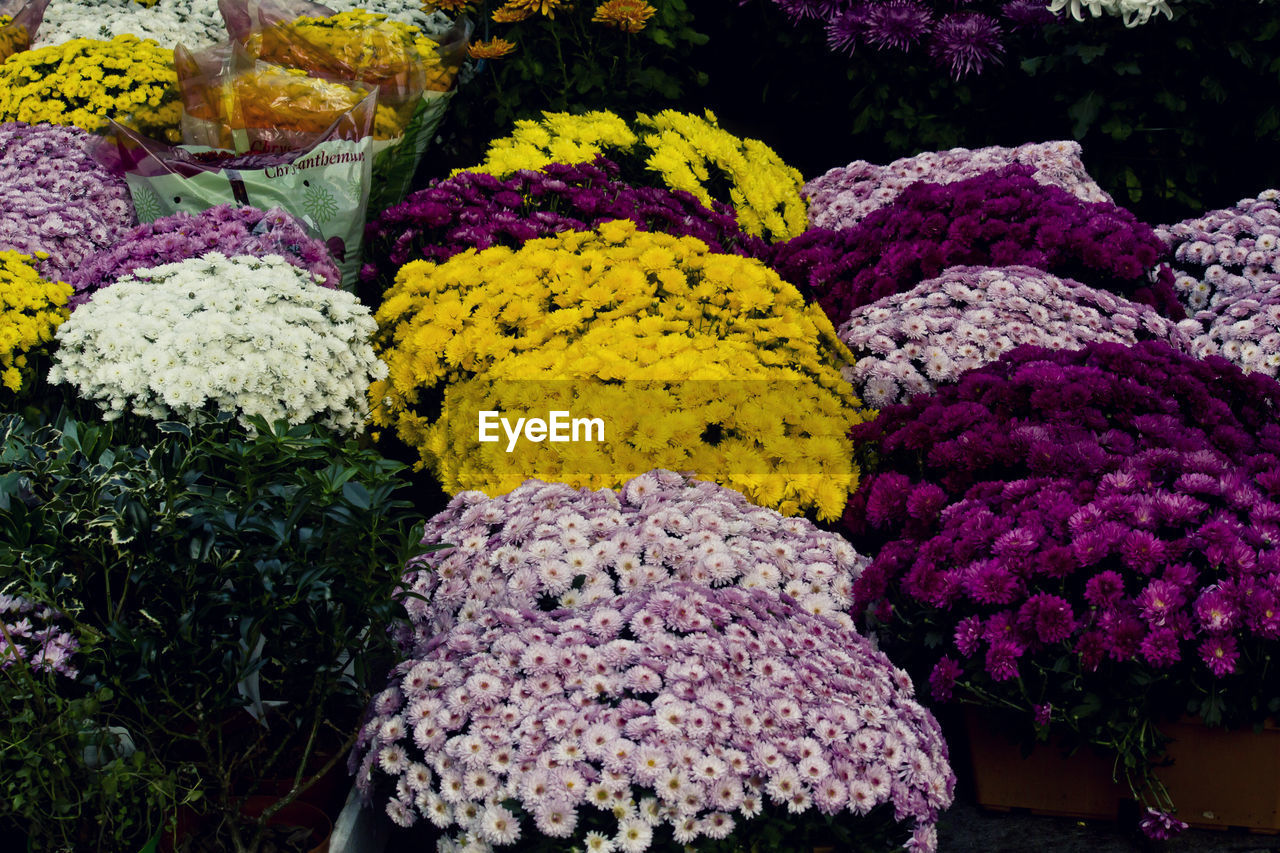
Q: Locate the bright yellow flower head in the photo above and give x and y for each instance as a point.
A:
(85, 83)
(534, 7)
(31, 309)
(680, 151)
(698, 361)
(630, 16)
(494, 48)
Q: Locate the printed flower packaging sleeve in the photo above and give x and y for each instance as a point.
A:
(325, 186)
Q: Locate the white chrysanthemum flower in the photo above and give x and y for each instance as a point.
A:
(182, 355)
(1133, 12)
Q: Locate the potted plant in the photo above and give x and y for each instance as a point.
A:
(1086, 539)
(234, 585)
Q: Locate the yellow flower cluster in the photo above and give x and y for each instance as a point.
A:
(85, 83)
(698, 361)
(557, 138)
(356, 45)
(691, 152)
(687, 152)
(31, 309)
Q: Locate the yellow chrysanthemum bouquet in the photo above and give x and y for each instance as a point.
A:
(690, 360)
(677, 150)
(31, 309)
(86, 83)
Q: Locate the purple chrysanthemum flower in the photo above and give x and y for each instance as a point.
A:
(1160, 825)
(965, 42)
(844, 30)
(1027, 13)
(896, 24)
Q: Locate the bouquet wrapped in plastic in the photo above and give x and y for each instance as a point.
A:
(412, 73)
(18, 22)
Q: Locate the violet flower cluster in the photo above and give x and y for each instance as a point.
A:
(660, 716)
(547, 546)
(226, 229)
(844, 196)
(33, 637)
(474, 210)
(1227, 252)
(1101, 520)
(912, 342)
(999, 218)
(962, 41)
(56, 199)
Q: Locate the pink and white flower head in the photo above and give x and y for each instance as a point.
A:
(911, 343)
(1226, 253)
(543, 545)
(588, 754)
(844, 196)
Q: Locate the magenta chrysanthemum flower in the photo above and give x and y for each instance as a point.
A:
(1220, 654)
(943, 678)
(965, 42)
(1104, 589)
(1160, 648)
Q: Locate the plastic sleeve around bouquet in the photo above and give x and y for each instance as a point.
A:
(324, 184)
(232, 101)
(19, 31)
(355, 45)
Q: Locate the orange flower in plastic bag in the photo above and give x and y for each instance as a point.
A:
(355, 45)
(271, 96)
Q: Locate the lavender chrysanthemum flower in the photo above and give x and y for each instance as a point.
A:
(56, 199)
(965, 42)
(912, 342)
(224, 228)
(585, 545)
(1226, 253)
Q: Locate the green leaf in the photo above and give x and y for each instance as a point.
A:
(175, 426)
(1085, 112)
(357, 494)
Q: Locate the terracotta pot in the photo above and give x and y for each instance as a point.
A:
(1218, 778)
